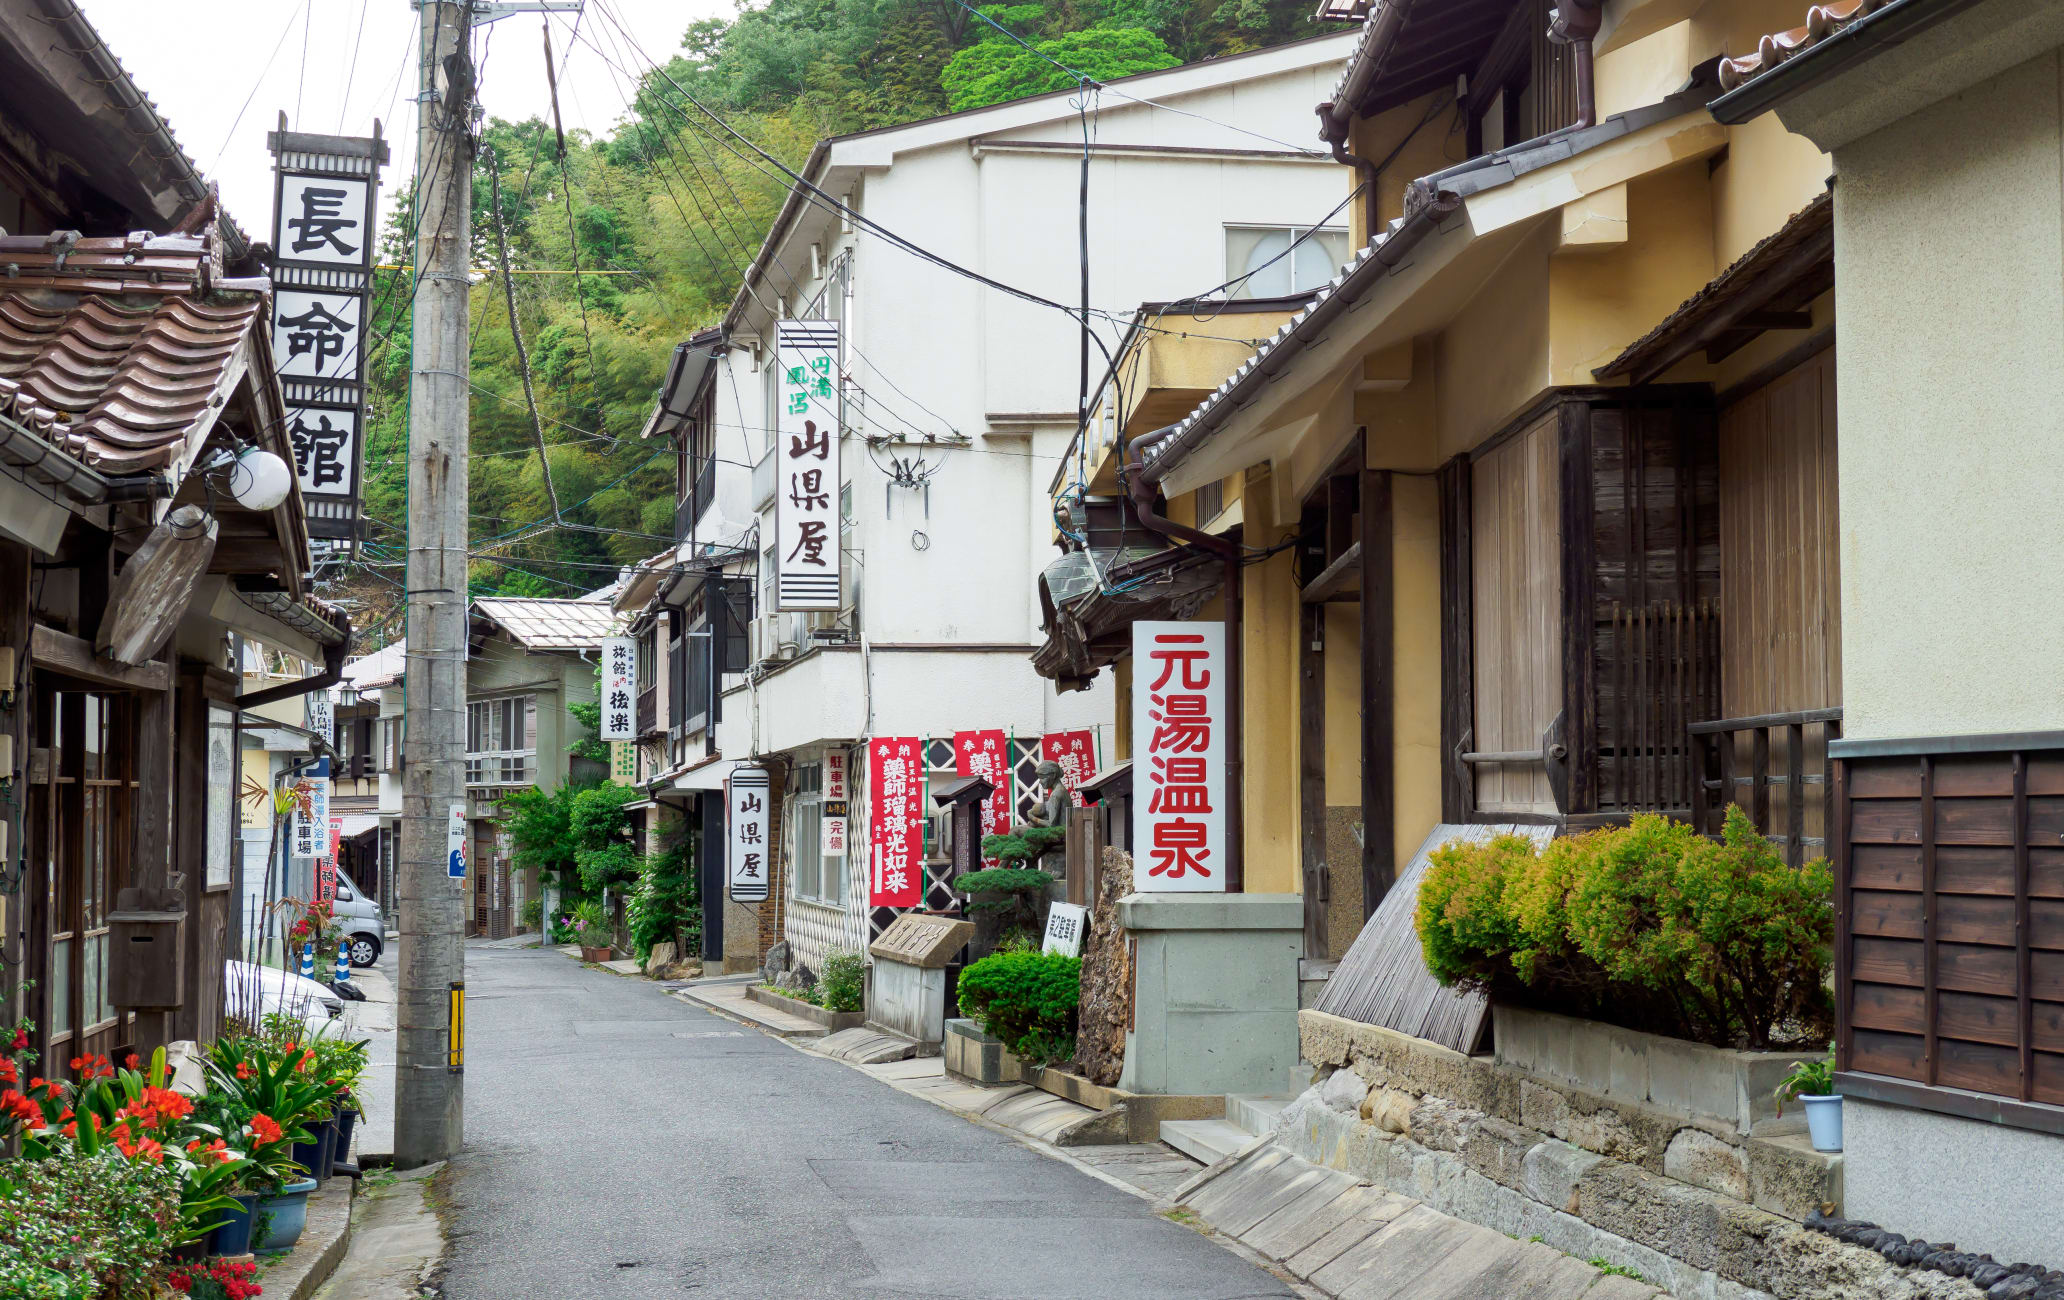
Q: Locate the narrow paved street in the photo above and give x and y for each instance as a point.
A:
(620, 1143)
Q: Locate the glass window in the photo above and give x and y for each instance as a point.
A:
(1273, 267)
(501, 741)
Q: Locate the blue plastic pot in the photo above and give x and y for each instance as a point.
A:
(233, 1236)
(1824, 1121)
(281, 1218)
(316, 1155)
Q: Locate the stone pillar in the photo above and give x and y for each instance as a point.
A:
(1215, 993)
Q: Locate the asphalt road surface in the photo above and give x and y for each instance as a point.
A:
(621, 1143)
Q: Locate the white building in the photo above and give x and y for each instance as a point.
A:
(956, 401)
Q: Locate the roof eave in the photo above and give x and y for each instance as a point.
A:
(1832, 55)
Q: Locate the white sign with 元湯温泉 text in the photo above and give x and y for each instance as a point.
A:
(806, 465)
(1065, 925)
(747, 834)
(619, 688)
(1178, 784)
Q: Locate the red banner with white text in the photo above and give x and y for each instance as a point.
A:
(895, 824)
(987, 754)
(1075, 751)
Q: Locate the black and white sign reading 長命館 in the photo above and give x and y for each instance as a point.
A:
(324, 226)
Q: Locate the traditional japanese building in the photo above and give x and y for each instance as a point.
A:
(148, 519)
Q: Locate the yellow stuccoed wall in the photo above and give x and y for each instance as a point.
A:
(1416, 664)
(1269, 733)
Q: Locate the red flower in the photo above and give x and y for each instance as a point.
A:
(264, 1128)
(244, 1071)
(132, 1060)
(8, 1074)
(21, 1039)
(20, 1107)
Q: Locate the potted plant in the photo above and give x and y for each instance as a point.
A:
(597, 939)
(1813, 1083)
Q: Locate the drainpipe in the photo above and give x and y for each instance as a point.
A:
(1140, 484)
(1333, 130)
(332, 673)
(1575, 23)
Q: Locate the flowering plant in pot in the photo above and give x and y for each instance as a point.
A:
(217, 1279)
(269, 1094)
(597, 940)
(1813, 1083)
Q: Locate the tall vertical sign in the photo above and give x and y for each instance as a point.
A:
(1178, 728)
(895, 831)
(831, 840)
(806, 465)
(326, 191)
(321, 716)
(1075, 752)
(746, 834)
(619, 688)
(985, 754)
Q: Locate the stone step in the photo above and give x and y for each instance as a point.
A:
(1208, 1140)
(731, 1000)
(1253, 1111)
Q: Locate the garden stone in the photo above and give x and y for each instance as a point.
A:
(1438, 1125)
(1699, 1158)
(775, 962)
(1988, 1275)
(2013, 1288)
(661, 957)
(1343, 1091)
(1389, 1109)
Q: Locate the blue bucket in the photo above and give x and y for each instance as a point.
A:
(281, 1219)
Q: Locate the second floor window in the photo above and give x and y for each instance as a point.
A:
(1274, 268)
(501, 741)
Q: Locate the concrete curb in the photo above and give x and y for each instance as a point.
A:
(297, 1274)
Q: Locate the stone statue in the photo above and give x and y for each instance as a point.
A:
(1053, 800)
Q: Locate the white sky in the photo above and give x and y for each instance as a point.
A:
(200, 65)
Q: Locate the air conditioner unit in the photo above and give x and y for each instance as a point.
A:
(787, 650)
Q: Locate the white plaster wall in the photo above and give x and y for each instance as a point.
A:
(1949, 241)
(1987, 1187)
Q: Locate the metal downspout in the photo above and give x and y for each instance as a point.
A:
(1575, 23)
(1333, 130)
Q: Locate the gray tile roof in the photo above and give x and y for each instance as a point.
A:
(550, 624)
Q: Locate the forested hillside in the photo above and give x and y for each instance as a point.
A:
(659, 220)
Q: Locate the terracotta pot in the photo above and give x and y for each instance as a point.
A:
(594, 954)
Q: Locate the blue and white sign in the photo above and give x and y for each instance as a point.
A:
(455, 843)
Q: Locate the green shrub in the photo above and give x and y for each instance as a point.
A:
(1027, 999)
(1022, 844)
(533, 914)
(85, 1226)
(666, 905)
(1651, 926)
(591, 922)
(842, 983)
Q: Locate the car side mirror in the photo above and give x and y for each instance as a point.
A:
(343, 894)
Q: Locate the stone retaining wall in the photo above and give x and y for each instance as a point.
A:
(1692, 1205)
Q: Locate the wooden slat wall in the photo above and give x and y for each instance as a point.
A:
(1517, 588)
(1655, 592)
(1780, 562)
(1951, 971)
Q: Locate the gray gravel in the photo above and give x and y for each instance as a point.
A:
(620, 1143)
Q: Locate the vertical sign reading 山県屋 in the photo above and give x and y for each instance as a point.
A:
(747, 834)
(1178, 728)
(983, 754)
(619, 688)
(326, 191)
(895, 831)
(806, 465)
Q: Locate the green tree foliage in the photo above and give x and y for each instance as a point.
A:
(1650, 925)
(661, 216)
(1000, 70)
(666, 905)
(601, 834)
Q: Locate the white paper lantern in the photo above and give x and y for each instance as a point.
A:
(260, 480)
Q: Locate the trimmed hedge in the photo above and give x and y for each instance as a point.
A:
(1651, 926)
(1027, 999)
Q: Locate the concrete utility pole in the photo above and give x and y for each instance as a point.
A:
(428, 1086)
